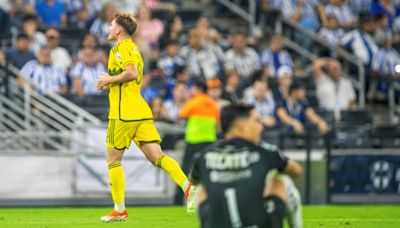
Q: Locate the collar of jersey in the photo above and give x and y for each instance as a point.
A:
(125, 40)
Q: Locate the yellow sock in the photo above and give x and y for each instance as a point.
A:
(173, 169)
(117, 182)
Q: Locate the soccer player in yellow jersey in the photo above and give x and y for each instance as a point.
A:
(130, 117)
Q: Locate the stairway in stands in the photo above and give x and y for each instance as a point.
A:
(31, 122)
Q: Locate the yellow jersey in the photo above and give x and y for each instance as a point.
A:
(126, 102)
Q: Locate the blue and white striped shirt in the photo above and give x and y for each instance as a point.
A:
(100, 29)
(358, 6)
(275, 60)
(46, 78)
(168, 64)
(360, 44)
(331, 36)
(309, 16)
(88, 76)
(245, 64)
(385, 61)
(342, 13)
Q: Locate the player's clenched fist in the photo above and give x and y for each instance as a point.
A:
(103, 82)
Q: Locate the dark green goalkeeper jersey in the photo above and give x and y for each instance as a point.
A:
(233, 172)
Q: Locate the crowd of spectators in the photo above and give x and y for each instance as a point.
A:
(234, 67)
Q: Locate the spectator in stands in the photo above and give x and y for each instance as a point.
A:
(148, 32)
(306, 13)
(51, 13)
(331, 33)
(128, 6)
(19, 9)
(270, 9)
(170, 59)
(46, 77)
(88, 40)
(100, 25)
(383, 68)
(181, 75)
(161, 5)
(242, 58)
(334, 92)
(258, 75)
(59, 55)
(386, 59)
(388, 8)
(285, 78)
(231, 92)
(78, 13)
(38, 39)
(359, 42)
(201, 61)
(359, 6)
(214, 90)
(263, 101)
(83, 9)
(210, 33)
(275, 57)
(342, 12)
(148, 91)
(157, 108)
(174, 105)
(295, 110)
(173, 32)
(382, 29)
(85, 73)
(211, 37)
(20, 55)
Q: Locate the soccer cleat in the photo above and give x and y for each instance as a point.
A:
(114, 216)
(191, 196)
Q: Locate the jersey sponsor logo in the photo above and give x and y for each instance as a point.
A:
(229, 176)
(221, 161)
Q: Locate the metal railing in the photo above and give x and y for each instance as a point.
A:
(348, 59)
(394, 105)
(248, 15)
(30, 121)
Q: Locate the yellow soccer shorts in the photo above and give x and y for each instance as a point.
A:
(121, 133)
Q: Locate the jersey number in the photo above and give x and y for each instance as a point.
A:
(231, 200)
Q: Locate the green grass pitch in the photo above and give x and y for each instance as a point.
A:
(371, 216)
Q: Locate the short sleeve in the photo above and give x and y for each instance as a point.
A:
(306, 104)
(28, 69)
(274, 156)
(280, 160)
(76, 71)
(281, 104)
(128, 55)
